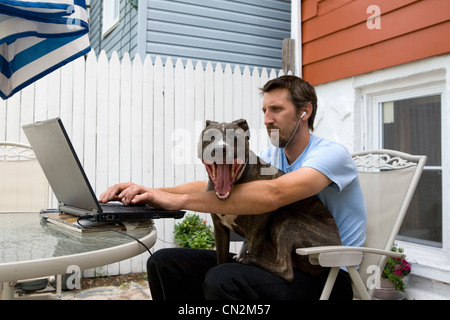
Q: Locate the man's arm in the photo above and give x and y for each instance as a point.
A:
(250, 198)
(190, 187)
(119, 191)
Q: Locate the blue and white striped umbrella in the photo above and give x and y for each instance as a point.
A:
(37, 37)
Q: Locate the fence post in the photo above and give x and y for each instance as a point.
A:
(288, 56)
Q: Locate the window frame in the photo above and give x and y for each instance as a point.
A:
(109, 21)
(426, 260)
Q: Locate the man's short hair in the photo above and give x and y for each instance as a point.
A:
(301, 93)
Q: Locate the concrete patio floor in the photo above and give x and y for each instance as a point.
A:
(125, 291)
(121, 287)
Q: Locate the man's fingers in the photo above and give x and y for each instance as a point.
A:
(127, 195)
(113, 192)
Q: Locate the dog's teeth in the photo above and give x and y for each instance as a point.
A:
(214, 171)
(222, 198)
(232, 170)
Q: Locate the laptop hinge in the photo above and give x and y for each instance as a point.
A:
(76, 211)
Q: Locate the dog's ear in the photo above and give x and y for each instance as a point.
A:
(208, 122)
(242, 123)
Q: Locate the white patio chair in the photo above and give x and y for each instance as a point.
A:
(388, 180)
(23, 186)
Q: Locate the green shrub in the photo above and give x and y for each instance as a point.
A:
(193, 232)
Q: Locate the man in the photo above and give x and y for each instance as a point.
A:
(313, 166)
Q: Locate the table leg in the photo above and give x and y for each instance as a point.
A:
(7, 293)
(59, 285)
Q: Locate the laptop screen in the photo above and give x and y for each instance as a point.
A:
(60, 164)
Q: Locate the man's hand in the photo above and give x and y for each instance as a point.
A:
(130, 193)
(123, 192)
(156, 198)
(112, 193)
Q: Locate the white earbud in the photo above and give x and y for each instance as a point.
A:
(293, 133)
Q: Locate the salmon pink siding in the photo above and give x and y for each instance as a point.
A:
(338, 42)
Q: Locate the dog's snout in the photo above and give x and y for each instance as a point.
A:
(221, 147)
(222, 151)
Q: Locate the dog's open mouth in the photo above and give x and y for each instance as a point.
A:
(223, 176)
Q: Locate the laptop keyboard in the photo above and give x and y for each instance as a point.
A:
(119, 208)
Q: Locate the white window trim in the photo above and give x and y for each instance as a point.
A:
(296, 34)
(109, 22)
(427, 77)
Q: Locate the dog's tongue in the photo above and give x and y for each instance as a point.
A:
(223, 179)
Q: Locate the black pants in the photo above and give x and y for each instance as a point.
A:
(193, 274)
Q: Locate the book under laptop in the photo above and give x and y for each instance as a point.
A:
(66, 176)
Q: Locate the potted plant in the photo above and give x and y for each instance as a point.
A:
(393, 282)
(193, 232)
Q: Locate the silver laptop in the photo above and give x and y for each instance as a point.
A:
(57, 157)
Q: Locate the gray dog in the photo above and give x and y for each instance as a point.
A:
(273, 236)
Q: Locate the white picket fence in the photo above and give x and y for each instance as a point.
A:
(139, 121)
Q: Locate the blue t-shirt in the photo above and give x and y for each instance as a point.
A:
(343, 197)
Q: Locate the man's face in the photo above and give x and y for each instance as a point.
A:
(280, 116)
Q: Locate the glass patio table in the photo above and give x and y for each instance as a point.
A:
(31, 247)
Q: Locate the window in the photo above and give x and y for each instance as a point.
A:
(111, 16)
(414, 126)
(406, 108)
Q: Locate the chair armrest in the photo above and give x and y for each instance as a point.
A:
(341, 256)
